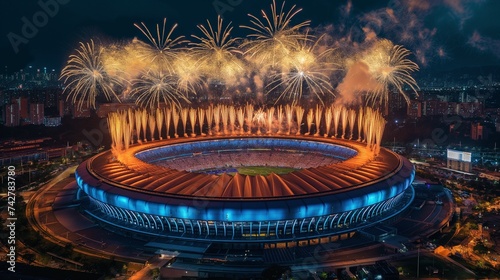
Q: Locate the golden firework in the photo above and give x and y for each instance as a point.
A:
(274, 36)
(389, 66)
(155, 87)
(162, 50)
(216, 52)
(188, 73)
(307, 68)
(86, 78)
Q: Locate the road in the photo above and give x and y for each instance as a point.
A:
(32, 213)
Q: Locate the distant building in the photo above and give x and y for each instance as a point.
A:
(105, 109)
(463, 96)
(453, 108)
(477, 131)
(62, 108)
(459, 160)
(52, 121)
(23, 103)
(37, 113)
(414, 109)
(435, 107)
(12, 116)
(82, 111)
(396, 103)
(470, 109)
(52, 97)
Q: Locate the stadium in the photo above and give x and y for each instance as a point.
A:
(259, 191)
(250, 181)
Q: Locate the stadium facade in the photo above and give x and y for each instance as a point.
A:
(188, 188)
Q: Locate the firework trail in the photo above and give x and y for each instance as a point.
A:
(232, 118)
(192, 120)
(152, 125)
(289, 117)
(249, 111)
(184, 117)
(336, 110)
(317, 118)
(168, 118)
(210, 117)
(159, 122)
(138, 125)
(201, 119)
(240, 116)
(144, 123)
(328, 120)
(299, 112)
(175, 118)
(270, 119)
(343, 117)
(351, 120)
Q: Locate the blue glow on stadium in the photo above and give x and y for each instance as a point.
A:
(322, 201)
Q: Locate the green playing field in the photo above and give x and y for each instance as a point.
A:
(263, 170)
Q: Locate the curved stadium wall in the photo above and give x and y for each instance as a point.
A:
(143, 196)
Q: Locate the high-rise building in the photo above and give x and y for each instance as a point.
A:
(476, 131)
(61, 108)
(12, 115)
(52, 121)
(6, 97)
(52, 97)
(459, 160)
(396, 103)
(36, 113)
(23, 106)
(462, 97)
(80, 111)
(414, 109)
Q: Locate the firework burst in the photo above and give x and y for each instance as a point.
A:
(154, 87)
(389, 66)
(162, 51)
(274, 36)
(307, 68)
(279, 58)
(86, 78)
(188, 73)
(217, 53)
(124, 61)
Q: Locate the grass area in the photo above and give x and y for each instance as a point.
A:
(263, 170)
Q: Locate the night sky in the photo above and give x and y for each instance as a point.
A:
(442, 34)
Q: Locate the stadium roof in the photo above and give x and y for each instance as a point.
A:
(138, 176)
